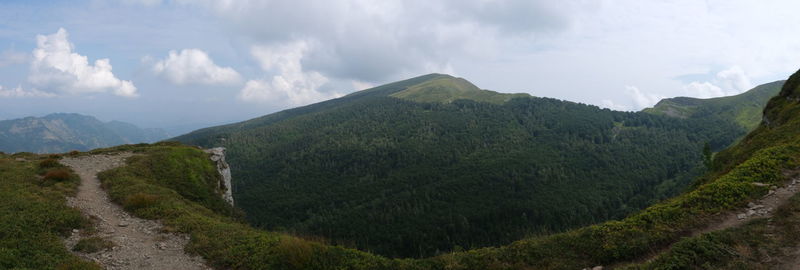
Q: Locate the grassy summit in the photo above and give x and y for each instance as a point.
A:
(446, 89)
(744, 109)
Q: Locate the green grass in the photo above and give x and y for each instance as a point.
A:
(93, 244)
(744, 109)
(446, 89)
(756, 245)
(34, 216)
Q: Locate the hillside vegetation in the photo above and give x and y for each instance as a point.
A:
(57, 133)
(34, 216)
(448, 166)
(744, 109)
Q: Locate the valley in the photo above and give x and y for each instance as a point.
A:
(433, 164)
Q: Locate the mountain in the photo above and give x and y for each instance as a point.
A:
(433, 163)
(66, 132)
(744, 109)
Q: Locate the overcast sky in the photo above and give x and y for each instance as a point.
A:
(190, 63)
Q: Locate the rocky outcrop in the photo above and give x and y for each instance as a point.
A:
(218, 156)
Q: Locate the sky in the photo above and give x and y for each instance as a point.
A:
(185, 64)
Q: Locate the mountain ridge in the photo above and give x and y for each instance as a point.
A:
(744, 109)
(62, 132)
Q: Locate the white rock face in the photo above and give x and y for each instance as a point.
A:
(218, 156)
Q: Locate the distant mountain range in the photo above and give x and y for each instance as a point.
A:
(434, 163)
(63, 132)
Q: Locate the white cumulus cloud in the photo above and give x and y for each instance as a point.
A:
(291, 85)
(22, 93)
(56, 67)
(642, 99)
(728, 82)
(194, 66)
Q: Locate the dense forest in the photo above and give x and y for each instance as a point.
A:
(414, 179)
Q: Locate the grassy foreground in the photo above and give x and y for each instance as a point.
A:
(34, 215)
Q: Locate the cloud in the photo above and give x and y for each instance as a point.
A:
(21, 93)
(148, 3)
(56, 67)
(703, 90)
(10, 57)
(291, 85)
(375, 41)
(193, 66)
(727, 82)
(609, 104)
(641, 99)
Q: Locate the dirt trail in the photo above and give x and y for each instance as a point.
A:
(138, 243)
(762, 208)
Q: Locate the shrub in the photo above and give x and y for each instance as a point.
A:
(73, 153)
(295, 251)
(49, 163)
(77, 264)
(140, 200)
(58, 175)
(92, 245)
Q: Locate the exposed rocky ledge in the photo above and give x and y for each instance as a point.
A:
(218, 156)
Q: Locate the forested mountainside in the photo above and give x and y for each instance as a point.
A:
(744, 109)
(63, 132)
(433, 164)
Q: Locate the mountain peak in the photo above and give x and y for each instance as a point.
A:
(445, 89)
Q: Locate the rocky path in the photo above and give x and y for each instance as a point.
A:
(762, 208)
(138, 243)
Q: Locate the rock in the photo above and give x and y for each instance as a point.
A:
(75, 231)
(597, 268)
(123, 224)
(218, 156)
(751, 205)
(161, 246)
(759, 184)
(741, 216)
(773, 187)
(750, 212)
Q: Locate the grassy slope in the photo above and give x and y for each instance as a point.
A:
(749, 246)
(34, 215)
(447, 89)
(745, 109)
